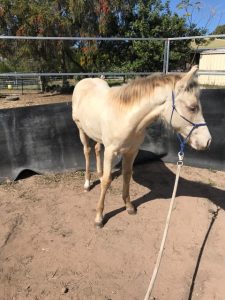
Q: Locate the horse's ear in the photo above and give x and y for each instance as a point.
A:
(182, 84)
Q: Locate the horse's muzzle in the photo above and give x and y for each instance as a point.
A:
(201, 145)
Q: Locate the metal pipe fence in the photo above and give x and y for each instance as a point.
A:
(166, 56)
(7, 37)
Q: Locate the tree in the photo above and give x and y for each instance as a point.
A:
(4, 67)
(142, 18)
(35, 19)
(219, 29)
(152, 18)
(129, 18)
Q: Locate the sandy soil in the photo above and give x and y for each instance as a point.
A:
(31, 99)
(49, 248)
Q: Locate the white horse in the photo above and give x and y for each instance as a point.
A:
(117, 117)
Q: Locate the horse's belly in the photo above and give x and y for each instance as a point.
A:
(91, 128)
(93, 134)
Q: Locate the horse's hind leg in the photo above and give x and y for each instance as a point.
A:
(105, 183)
(127, 166)
(87, 149)
(98, 160)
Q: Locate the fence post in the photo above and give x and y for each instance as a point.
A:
(166, 56)
(22, 85)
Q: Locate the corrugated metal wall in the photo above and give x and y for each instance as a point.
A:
(212, 61)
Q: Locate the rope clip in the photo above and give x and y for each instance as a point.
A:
(180, 158)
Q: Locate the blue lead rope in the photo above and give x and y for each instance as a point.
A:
(183, 141)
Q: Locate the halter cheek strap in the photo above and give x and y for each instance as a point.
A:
(183, 141)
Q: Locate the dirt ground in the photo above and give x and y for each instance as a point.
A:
(50, 249)
(31, 99)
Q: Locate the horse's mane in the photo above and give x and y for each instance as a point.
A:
(131, 93)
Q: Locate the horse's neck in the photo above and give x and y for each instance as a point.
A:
(149, 109)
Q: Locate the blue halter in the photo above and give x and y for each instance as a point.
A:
(183, 141)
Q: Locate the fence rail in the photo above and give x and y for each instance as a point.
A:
(200, 72)
(75, 74)
(166, 55)
(71, 38)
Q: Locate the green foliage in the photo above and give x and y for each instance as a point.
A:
(35, 18)
(219, 29)
(4, 67)
(130, 18)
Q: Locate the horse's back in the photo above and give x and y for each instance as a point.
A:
(89, 90)
(87, 83)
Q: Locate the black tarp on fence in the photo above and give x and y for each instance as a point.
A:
(39, 138)
(45, 139)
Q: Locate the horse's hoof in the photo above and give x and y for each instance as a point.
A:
(99, 225)
(87, 185)
(132, 211)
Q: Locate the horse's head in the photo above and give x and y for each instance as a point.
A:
(184, 112)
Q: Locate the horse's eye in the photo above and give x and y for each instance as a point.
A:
(193, 108)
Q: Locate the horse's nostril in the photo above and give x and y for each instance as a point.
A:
(208, 143)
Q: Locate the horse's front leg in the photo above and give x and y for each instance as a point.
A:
(105, 183)
(127, 166)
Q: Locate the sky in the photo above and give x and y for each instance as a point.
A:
(210, 15)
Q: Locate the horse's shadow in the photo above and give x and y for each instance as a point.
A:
(159, 179)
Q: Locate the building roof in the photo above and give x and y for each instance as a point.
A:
(215, 51)
(209, 44)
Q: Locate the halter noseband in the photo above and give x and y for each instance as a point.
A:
(183, 141)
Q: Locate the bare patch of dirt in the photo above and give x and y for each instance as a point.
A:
(49, 248)
(32, 99)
